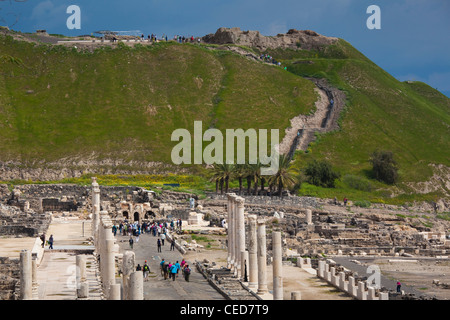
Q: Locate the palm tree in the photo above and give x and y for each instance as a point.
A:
(254, 172)
(240, 173)
(285, 176)
(222, 174)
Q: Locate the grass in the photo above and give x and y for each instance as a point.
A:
(123, 103)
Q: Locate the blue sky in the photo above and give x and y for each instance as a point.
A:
(412, 44)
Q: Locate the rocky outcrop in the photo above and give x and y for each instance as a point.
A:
(293, 39)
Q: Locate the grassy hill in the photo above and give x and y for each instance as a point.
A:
(410, 119)
(123, 104)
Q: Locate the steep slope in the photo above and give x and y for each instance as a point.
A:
(410, 119)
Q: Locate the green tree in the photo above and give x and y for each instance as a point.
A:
(384, 167)
(321, 173)
(221, 175)
(284, 177)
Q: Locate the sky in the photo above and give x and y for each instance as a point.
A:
(412, 43)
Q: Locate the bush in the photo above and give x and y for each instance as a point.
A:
(358, 183)
(384, 167)
(362, 204)
(320, 173)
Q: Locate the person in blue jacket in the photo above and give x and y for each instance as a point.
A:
(173, 271)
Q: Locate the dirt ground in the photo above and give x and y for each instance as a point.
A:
(420, 275)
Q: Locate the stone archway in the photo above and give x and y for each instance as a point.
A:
(136, 217)
(125, 214)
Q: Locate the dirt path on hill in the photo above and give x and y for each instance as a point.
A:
(329, 105)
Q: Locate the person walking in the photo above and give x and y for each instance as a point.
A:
(173, 271)
(43, 239)
(159, 245)
(186, 272)
(163, 237)
(162, 265)
(50, 242)
(177, 264)
(146, 270)
(172, 245)
(131, 242)
(399, 287)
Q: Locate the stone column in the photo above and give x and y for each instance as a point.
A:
(277, 266)
(83, 290)
(26, 281)
(308, 216)
(343, 285)
(34, 272)
(371, 294)
(321, 272)
(233, 232)
(352, 288)
(240, 234)
(128, 267)
(110, 265)
(252, 253)
(95, 192)
(136, 289)
(362, 295)
(114, 292)
(244, 266)
(229, 229)
(81, 268)
(262, 260)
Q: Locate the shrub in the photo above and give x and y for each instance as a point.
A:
(321, 173)
(362, 204)
(384, 167)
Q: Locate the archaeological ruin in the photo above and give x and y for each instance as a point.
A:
(357, 251)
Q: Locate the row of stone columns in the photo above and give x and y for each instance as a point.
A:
(358, 289)
(107, 249)
(252, 263)
(236, 235)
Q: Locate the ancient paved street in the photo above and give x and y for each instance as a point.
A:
(156, 288)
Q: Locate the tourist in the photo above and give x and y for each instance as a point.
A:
(138, 268)
(178, 267)
(50, 242)
(161, 266)
(43, 239)
(131, 242)
(173, 271)
(146, 270)
(114, 230)
(172, 245)
(187, 272)
(399, 287)
(345, 202)
(159, 245)
(163, 237)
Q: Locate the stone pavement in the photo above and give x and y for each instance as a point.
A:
(156, 288)
(56, 272)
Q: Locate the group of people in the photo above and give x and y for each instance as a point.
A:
(145, 269)
(49, 241)
(269, 59)
(170, 270)
(177, 38)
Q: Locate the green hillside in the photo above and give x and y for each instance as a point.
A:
(410, 119)
(124, 103)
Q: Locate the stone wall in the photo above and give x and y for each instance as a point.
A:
(9, 278)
